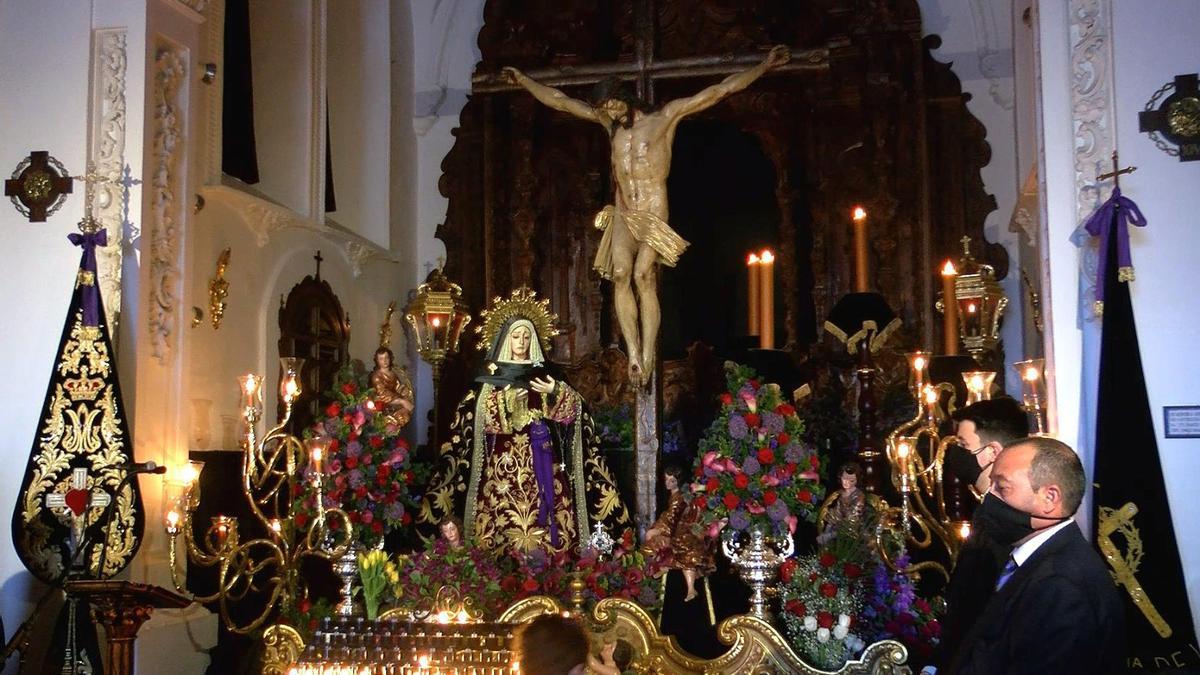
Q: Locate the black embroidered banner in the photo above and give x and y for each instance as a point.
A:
(82, 441)
(1133, 520)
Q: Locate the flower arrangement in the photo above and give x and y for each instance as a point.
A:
(820, 608)
(754, 470)
(375, 573)
(367, 470)
(614, 426)
(893, 610)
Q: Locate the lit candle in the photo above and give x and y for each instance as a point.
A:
(932, 397)
(752, 302)
(964, 530)
(767, 291)
(949, 309)
(172, 521)
(1031, 385)
(979, 385)
(276, 526)
(903, 448)
(317, 457)
(222, 530)
(860, 250)
(919, 363)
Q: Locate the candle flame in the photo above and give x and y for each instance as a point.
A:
(1031, 374)
(918, 363)
(970, 308)
(423, 661)
(172, 518)
(931, 394)
(975, 383)
(752, 259)
(276, 527)
(187, 474)
(437, 321)
(948, 269)
(964, 530)
(859, 213)
(767, 256)
(289, 387)
(903, 449)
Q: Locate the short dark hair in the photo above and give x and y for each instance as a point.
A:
(622, 654)
(551, 644)
(385, 350)
(673, 469)
(612, 88)
(1055, 463)
(1002, 420)
(852, 468)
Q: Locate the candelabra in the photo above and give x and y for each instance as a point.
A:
(269, 564)
(1032, 374)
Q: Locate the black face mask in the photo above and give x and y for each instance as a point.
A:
(962, 464)
(1003, 523)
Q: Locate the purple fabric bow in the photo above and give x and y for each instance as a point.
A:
(1118, 211)
(543, 471)
(90, 298)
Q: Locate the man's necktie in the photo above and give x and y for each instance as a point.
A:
(1009, 568)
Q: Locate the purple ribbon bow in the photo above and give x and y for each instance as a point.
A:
(90, 298)
(1119, 212)
(543, 471)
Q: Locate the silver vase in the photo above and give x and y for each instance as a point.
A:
(346, 567)
(758, 561)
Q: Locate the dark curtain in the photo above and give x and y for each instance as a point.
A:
(239, 154)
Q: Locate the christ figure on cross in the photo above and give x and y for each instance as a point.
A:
(636, 233)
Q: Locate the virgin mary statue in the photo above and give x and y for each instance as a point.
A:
(521, 466)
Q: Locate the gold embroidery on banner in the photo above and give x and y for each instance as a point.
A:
(1125, 567)
(1125, 274)
(82, 423)
(85, 278)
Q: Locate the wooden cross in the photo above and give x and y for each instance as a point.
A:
(1115, 174)
(318, 258)
(73, 504)
(39, 186)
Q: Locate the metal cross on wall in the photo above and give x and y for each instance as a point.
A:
(39, 186)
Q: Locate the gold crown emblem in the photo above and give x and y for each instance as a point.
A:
(83, 388)
(521, 303)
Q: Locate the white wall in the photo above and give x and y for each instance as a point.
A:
(1164, 252)
(359, 94)
(38, 268)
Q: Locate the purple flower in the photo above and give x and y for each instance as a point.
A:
(772, 422)
(393, 511)
(353, 449)
(647, 597)
(356, 479)
(751, 466)
(738, 519)
(777, 511)
(737, 427)
(792, 453)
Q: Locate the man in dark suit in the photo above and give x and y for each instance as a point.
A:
(1055, 609)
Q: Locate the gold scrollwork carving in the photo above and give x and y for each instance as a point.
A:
(282, 645)
(218, 289)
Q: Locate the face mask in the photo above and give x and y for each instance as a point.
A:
(1004, 523)
(962, 464)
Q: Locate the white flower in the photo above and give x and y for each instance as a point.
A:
(823, 635)
(840, 631)
(810, 623)
(844, 620)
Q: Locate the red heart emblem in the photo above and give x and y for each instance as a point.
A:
(77, 501)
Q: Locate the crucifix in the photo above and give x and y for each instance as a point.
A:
(318, 258)
(71, 506)
(39, 186)
(1115, 174)
(637, 236)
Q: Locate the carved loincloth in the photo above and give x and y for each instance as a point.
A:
(646, 228)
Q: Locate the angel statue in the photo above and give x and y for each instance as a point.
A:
(393, 389)
(522, 465)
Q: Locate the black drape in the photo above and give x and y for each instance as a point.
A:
(239, 154)
(1128, 471)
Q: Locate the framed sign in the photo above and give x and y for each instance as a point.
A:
(1181, 421)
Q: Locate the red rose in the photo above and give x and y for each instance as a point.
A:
(405, 519)
(804, 496)
(354, 517)
(753, 383)
(349, 388)
(508, 584)
(351, 462)
(375, 442)
(825, 619)
(787, 569)
(827, 559)
(347, 418)
(409, 477)
(795, 607)
(785, 409)
(352, 436)
(766, 456)
(304, 606)
(333, 410)
(361, 491)
(712, 485)
(740, 481)
(381, 480)
(788, 469)
(301, 519)
(529, 585)
(732, 500)
(828, 590)
(769, 497)
(815, 461)
(377, 527)
(751, 419)
(699, 501)
(334, 445)
(851, 570)
(726, 399)
(384, 469)
(783, 438)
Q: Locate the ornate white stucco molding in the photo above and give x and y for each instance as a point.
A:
(214, 52)
(995, 59)
(170, 74)
(1093, 117)
(107, 155)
